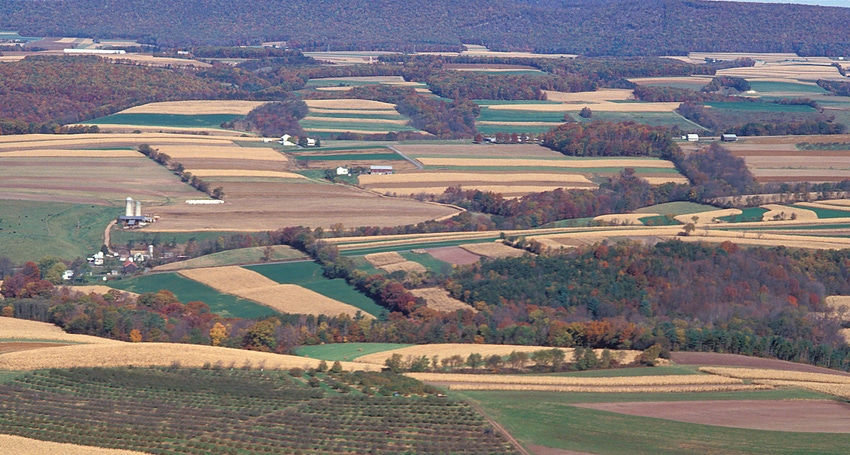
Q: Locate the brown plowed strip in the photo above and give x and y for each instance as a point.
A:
(454, 255)
(14, 346)
(805, 416)
(735, 360)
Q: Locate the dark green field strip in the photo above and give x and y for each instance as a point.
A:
(759, 107)
(747, 215)
(823, 213)
(510, 128)
(499, 115)
(172, 120)
(346, 351)
(548, 419)
(352, 157)
(644, 118)
(337, 149)
(354, 126)
(677, 208)
(429, 262)
(122, 237)
(309, 275)
(421, 245)
(659, 220)
(188, 290)
(789, 87)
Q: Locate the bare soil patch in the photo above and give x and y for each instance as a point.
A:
(454, 255)
(806, 416)
(439, 299)
(735, 360)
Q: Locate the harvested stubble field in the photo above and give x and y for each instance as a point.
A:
(244, 173)
(454, 255)
(156, 354)
(342, 120)
(494, 250)
(604, 106)
(382, 259)
(196, 107)
(815, 416)
(230, 151)
(406, 266)
(776, 210)
(366, 105)
(624, 218)
(707, 216)
(475, 177)
(234, 257)
(839, 390)
(779, 375)
(285, 298)
(439, 299)
(466, 150)
(26, 446)
(69, 153)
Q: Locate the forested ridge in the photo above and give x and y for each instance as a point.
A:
(652, 27)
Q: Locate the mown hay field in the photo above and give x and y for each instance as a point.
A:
(234, 257)
(775, 210)
(406, 266)
(25, 446)
(624, 218)
(466, 150)
(156, 354)
(244, 173)
(461, 177)
(439, 299)
(351, 104)
(382, 259)
(196, 107)
(65, 153)
(20, 329)
(220, 152)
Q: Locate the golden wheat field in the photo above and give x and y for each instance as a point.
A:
(19, 329)
(659, 380)
(557, 163)
(385, 111)
(775, 210)
(613, 389)
(156, 354)
(244, 173)
(706, 217)
(826, 205)
(350, 104)
(598, 96)
(779, 375)
(406, 266)
(676, 179)
(196, 107)
(460, 177)
(624, 218)
(840, 390)
(604, 106)
(228, 152)
(359, 120)
(98, 289)
(78, 153)
(381, 259)
(24, 446)
(494, 250)
(438, 299)
(286, 298)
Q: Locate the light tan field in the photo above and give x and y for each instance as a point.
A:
(406, 266)
(156, 354)
(382, 259)
(24, 446)
(565, 162)
(837, 204)
(599, 106)
(220, 152)
(507, 191)
(359, 120)
(244, 173)
(448, 350)
(350, 104)
(79, 153)
(781, 375)
(240, 256)
(785, 71)
(93, 141)
(662, 180)
(706, 217)
(598, 96)
(614, 389)
(826, 205)
(344, 88)
(840, 390)
(439, 300)
(835, 302)
(494, 250)
(285, 298)
(695, 80)
(19, 329)
(494, 177)
(389, 111)
(99, 289)
(197, 107)
(778, 210)
(353, 130)
(655, 380)
(150, 60)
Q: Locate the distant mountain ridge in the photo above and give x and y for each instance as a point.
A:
(589, 27)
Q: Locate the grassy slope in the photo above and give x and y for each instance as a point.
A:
(171, 120)
(121, 237)
(346, 351)
(188, 290)
(32, 230)
(548, 419)
(676, 208)
(239, 256)
(309, 275)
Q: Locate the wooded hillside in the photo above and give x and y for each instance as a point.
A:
(651, 27)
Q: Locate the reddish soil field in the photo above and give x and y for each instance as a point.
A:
(735, 360)
(454, 255)
(806, 416)
(24, 346)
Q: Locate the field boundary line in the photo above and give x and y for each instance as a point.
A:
(416, 163)
(500, 429)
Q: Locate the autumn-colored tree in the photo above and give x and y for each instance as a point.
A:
(218, 333)
(8, 311)
(135, 336)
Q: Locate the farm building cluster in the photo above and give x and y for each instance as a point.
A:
(133, 215)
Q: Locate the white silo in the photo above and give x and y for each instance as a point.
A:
(138, 208)
(128, 210)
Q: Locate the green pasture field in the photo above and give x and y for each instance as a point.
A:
(512, 128)
(141, 236)
(747, 214)
(353, 126)
(188, 290)
(548, 419)
(660, 220)
(568, 223)
(351, 157)
(644, 118)
(345, 351)
(507, 116)
(785, 87)
(676, 208)
(429, 262)
(309, 275)
(808, 146)
(338, 149)
(7, 376)
(421, 245)
(825, 213)
(31, 230)
(360, 263)
(241, 256)
(760, 107)
(171, 120)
